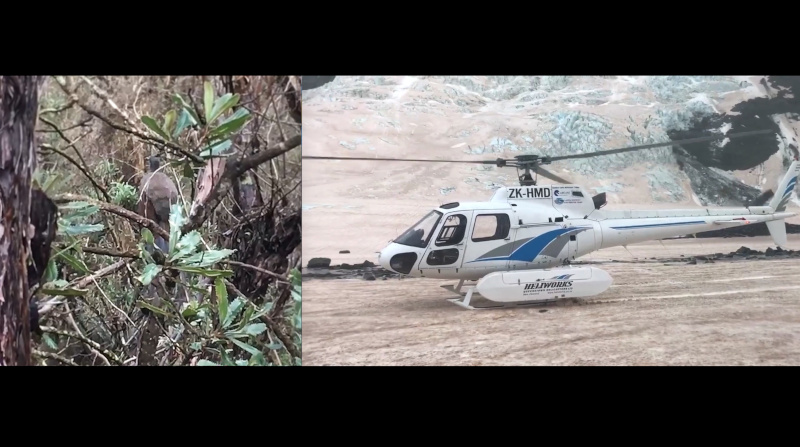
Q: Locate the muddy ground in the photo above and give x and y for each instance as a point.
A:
(732, 311)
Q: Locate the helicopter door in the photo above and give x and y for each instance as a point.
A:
(446, 251)
(490, 242)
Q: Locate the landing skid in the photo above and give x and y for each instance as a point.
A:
(465, 302)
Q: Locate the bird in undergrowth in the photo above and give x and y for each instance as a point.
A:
(157, 194)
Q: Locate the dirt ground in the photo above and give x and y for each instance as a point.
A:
(744, 312)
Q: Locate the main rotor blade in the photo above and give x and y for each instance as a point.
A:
(484, 162)
(545, 173)
(669, 143)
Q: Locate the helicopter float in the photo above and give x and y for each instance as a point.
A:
(519, 244)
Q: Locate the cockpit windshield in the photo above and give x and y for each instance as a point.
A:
(420, 234)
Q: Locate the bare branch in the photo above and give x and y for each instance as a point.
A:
(91, 343)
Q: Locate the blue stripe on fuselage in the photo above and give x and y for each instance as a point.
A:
(790, 187)
(528, 251)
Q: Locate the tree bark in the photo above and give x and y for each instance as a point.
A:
(19, 104)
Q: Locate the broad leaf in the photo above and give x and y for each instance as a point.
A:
(245, 346)
(226, 359)
(189, 109)
(222, 105)
(206, 258)
(169, 120)
(208, 100)
(150, 272)
(186, 245)
(154, 127)
(211, 273)
(231, 125)
(147, 236)
(233, 311)
(49, 341)
(222, 298)
(146, 305)
(241, 362)
(77, 230)
(51, 272)
(65, 292)
(82, 209)
(176, 221)
(183, 122)
(216, 150)
(255, 329)
(74, 262)
(206, 363)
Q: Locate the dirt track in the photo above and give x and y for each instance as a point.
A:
(744, 312)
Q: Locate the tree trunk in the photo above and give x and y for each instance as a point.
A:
(19, 104)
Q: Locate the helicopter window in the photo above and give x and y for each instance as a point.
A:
(420, 234)
(443, 257)
(489, 227)
(577, 193)
(453, 230)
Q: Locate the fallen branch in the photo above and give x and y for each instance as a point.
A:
(81, 168)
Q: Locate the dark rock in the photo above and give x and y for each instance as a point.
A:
(384, 277)
(692, 262)
(770, 252)
(344, 252)
(541, 311)
(319, 263)
(701, 258)
(369, 276)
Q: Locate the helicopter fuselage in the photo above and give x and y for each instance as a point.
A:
(541, 227)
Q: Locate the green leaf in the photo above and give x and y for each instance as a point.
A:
(74, 262)
(60, 283)
(189, 313)
(152, 308)
(230, 125)
(211, 273)
(169, 120)
(296, 295)
(186, 245)
(188, 108)
(188, 171)
(150, 272)
(222, 105)
(50, 272)
(77, 230)
(255, 329)
(241, 362)
(206, 363)
(206, 258)
(216, 150)
(154, 127)
(208, 100)
(233, 311)
(183, 123)
(245, 346)
(176, 221)
(226, 359)
(258, 360)
(222, 298)
(83, 209)
(195, 346)
(65, 292)
(48, 340)
(147, 236)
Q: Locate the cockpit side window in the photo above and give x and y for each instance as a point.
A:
(489, 227)
(453, 230)
(420, 234)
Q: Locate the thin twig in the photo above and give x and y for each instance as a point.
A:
(114, 209)
(54, 356)
(105, 353)
(258, 269)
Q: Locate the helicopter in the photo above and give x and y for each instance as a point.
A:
(518, 246)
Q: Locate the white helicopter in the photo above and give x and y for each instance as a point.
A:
(518, 245)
